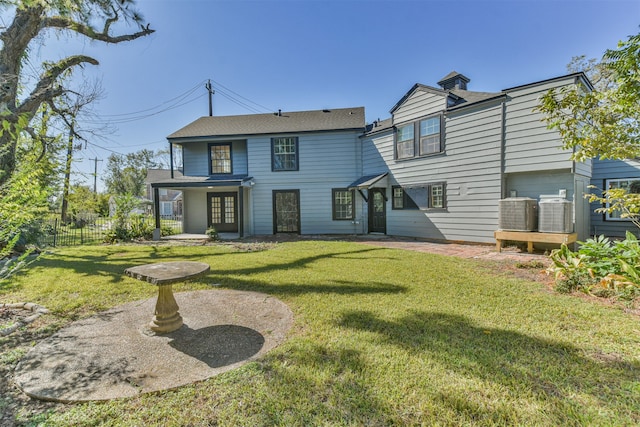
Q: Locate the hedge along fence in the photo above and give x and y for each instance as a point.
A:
(93, 230)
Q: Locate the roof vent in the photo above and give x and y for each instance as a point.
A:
(454, 80)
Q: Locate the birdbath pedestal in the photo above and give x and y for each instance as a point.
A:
(166, 317)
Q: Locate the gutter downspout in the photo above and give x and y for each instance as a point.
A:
(503, 144)
(241, 211)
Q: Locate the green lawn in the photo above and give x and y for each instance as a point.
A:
(381, 337)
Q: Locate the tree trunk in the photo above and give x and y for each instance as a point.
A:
(15, 40)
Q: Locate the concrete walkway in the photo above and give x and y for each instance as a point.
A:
(114, 354)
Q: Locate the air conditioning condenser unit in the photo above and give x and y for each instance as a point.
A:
(555, 216)
(518, 214)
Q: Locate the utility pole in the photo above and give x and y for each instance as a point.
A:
(211, 92)
(95, 174)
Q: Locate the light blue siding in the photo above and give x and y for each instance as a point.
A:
(420, 103)
(326, 161)
(534, 184)
(529, 145)
(196, 157)
(372, 159)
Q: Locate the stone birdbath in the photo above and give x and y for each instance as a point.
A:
(166, 317)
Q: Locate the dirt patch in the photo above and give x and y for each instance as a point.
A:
(14, 316)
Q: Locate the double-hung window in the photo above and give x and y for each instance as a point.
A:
(220, 158)
(343, 204)
(420, 138)
(284, 154)
(430, 136)
(405, 141)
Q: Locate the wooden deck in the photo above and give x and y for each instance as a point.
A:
(532, 237)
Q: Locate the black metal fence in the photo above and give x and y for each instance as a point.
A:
(89, 230)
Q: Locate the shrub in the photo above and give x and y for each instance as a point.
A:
(575, 280)
(212, 233)
(600, 267)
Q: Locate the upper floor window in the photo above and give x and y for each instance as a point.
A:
(284, 154)
(343, 204)
(220, 158)
(405, 141)
(430, 136)
(420, 138)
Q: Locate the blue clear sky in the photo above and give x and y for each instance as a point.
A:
(306, 55)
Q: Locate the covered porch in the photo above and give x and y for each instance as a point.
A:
(218, 202)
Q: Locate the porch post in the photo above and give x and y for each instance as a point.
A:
(156, 212)
(171, 158)
(241, 211)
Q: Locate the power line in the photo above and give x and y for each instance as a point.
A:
(240, 103)
(179, 97)
(265, 109)
(141, 117)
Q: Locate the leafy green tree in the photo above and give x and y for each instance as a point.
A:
(126, 173)
(598, 73)
(31, 20)
(82, 200)
(24, 202)
(603, 123)
(25, 197)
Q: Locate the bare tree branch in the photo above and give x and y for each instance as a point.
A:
(46, 89)
(31, 19)
(104, 36)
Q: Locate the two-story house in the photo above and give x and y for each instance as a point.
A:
(270, 173)
(437, 168)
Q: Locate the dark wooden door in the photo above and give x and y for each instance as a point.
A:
(286, 211)
(377, 211)
(223, 212)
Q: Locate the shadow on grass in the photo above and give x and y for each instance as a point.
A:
(321, 387)
(552, 372)
(112, 263)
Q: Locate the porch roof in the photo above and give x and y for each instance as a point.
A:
(369, 181)
(203, 181)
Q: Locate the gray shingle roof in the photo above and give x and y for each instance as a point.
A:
(452, 75)
(158, 175)
(287, 122)
(468, 97)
